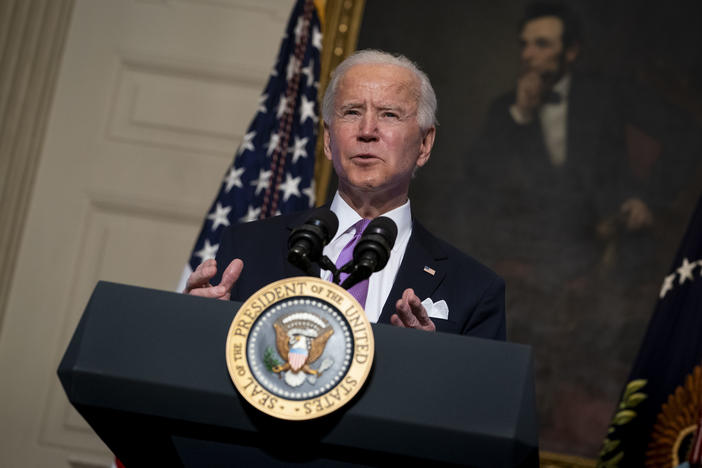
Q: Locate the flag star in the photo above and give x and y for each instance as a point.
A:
(247, 144)
(233, 179)
(308, 71)
(293, 68)
(272, 143)
(251, 214)
(298, 28)
(307, 110)
(208, 251)
(262, 103)
(263, 180)
(667, 285)
(309, 192)
(220, 216)
(282, 104)
(685, 270)
(316, 38)
(299, 150)
(290, 187)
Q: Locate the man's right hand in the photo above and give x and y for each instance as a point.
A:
(198, 283)
(529, 94)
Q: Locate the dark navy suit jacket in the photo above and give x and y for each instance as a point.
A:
(474, 294)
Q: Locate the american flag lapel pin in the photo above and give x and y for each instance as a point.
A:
(430, 270)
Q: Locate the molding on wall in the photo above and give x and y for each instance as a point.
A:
(147, 87)
(32, 38)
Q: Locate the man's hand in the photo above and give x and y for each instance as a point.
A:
(411, 313)
(199, 280)
(530, 90)
(636, 214)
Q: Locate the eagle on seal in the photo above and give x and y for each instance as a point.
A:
(300, 338)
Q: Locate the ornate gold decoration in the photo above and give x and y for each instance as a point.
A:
(611, 453)
(300, 348)
(342, 21)
(676, 424)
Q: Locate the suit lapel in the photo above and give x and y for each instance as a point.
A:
(422, 251)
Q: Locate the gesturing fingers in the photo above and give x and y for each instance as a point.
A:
(411, 313)
(229, 277)
(215, 292)
(395, 319)
(198, 283)
(404, 310)
(200, 278)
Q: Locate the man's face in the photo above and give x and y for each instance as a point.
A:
(542, 48)
(374, 140)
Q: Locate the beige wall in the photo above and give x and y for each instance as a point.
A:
(125, 143)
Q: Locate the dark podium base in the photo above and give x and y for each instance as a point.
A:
(147, 370)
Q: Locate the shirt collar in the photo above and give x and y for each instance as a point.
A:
(402, 215)
(562, 86)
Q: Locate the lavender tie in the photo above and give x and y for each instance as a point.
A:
(360, 289)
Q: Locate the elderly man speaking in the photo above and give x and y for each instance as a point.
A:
(379, 128)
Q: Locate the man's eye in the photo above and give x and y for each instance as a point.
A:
(391, 115)
(351, 112)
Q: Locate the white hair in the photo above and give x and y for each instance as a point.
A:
(426, 101)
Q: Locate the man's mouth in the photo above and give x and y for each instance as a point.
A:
(365, 156)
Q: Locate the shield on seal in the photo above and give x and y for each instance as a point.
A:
(297, 358)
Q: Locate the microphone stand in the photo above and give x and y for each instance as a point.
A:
(326, 264)
(350, 267)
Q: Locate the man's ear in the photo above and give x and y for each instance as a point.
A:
(426, 145)
(327, 142)
(572, 53)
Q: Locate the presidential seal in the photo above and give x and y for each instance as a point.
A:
(299, 348)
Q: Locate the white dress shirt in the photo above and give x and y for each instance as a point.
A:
(380, 283)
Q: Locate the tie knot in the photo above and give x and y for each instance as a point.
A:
(362, 225)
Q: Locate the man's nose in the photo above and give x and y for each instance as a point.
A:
(368, 127)
(527, 52)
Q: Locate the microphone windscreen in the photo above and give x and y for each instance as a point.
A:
(325, 219)
(385, 227)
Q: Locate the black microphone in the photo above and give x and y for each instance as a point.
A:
(306, 242)
(372, 251)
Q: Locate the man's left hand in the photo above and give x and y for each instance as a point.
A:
(636, 214)
(411, 313)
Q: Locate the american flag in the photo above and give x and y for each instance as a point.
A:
(658, 421)
(273, 168)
